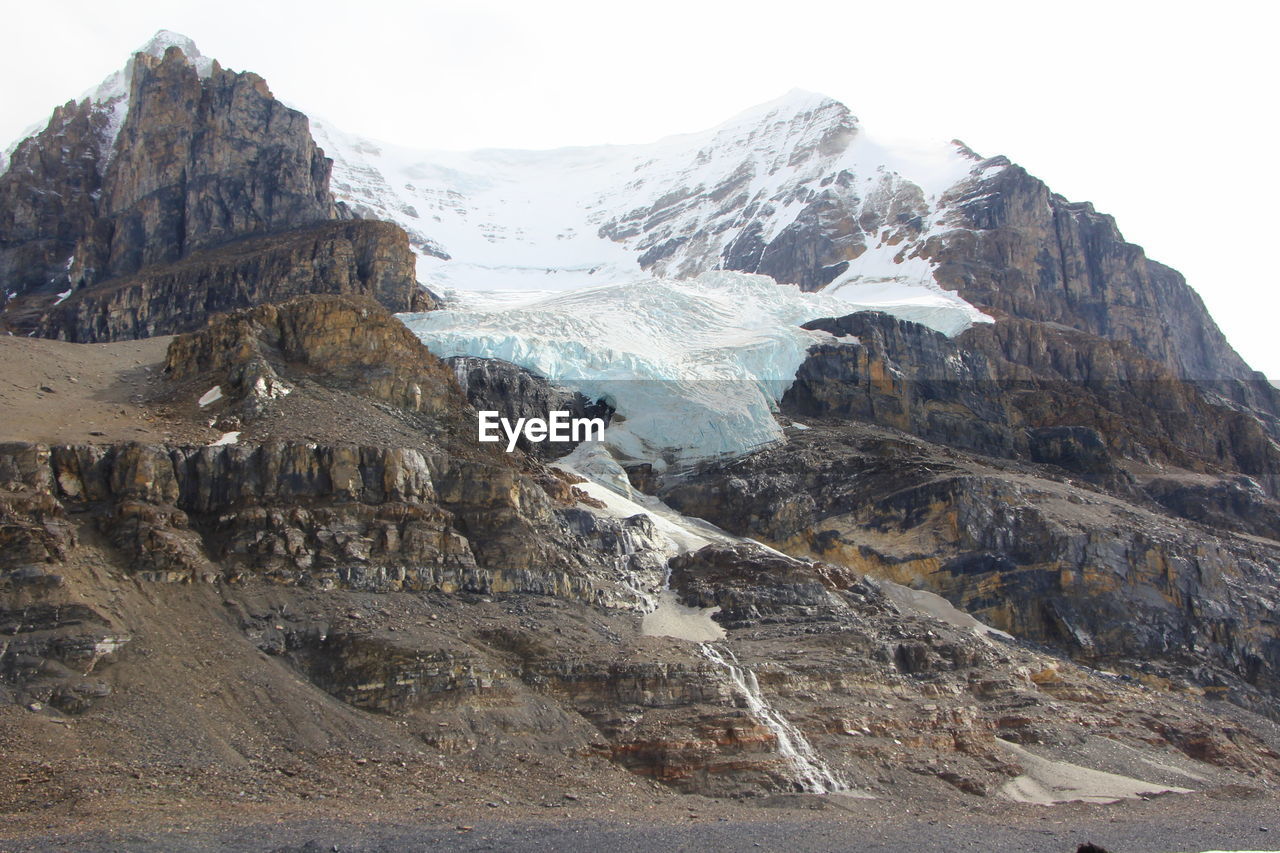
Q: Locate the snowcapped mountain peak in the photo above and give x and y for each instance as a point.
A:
(799, 120)
(111, 96)
(117, 83)
(165, 39)
(748, 194)
(795, 103)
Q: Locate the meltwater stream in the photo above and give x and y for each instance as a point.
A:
(808, 769)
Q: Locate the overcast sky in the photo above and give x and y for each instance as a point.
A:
(1162, 114)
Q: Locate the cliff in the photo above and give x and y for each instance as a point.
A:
(206, 195)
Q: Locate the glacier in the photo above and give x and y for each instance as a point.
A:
(599, 267)
(694, 367)
(544, 259)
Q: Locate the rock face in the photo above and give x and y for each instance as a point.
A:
(357, 258)
(201, 161)
(209, 195)
(360, 518)
(1056, 378)
(1026, 390)
(751, 585)
(1029, 253)
(1104, 579)
(49, 198)
(351, 341)
(903, 375)
(344, 567)
(513, 392)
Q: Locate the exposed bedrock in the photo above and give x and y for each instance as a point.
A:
(358, 258)
(346, 517)
(514, 392)
(901, 374)
(1028, 253)
(1027, 390)
(213, 196)
(877, 688)
(1099, 577)
(346, 341)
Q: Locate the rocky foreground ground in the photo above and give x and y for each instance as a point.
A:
(198, 662)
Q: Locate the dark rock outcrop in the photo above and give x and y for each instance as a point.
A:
(1028, 390)
(494, 385)
(1028, 253)
(1060, 378)
(1235, 503)
(904, 375)
(49, 199)
(752, 586)
(353, 258)
(199, 162)
(1099, 577)
(212, 196)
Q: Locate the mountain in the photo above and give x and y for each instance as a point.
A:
(162, 168)
(918, 483)
(795, 189)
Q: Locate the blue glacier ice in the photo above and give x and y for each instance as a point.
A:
(694, 367)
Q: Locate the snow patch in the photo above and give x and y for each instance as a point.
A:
(607, 483)
(211, 396)
(227, 438)
(270, 390)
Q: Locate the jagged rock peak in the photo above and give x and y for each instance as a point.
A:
(170, 155)
(116, 85)
(110, 98)
(165, 39)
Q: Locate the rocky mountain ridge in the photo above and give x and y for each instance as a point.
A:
(129, 201)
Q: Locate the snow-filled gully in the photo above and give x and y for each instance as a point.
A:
(808, 771)
(605, 482)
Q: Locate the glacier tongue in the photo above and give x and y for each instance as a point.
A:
(694, 367)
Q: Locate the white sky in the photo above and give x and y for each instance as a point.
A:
(1163, 114)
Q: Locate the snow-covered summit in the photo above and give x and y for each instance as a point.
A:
(116, 84)
(165, 39)
(791, 171)
(111, 96)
